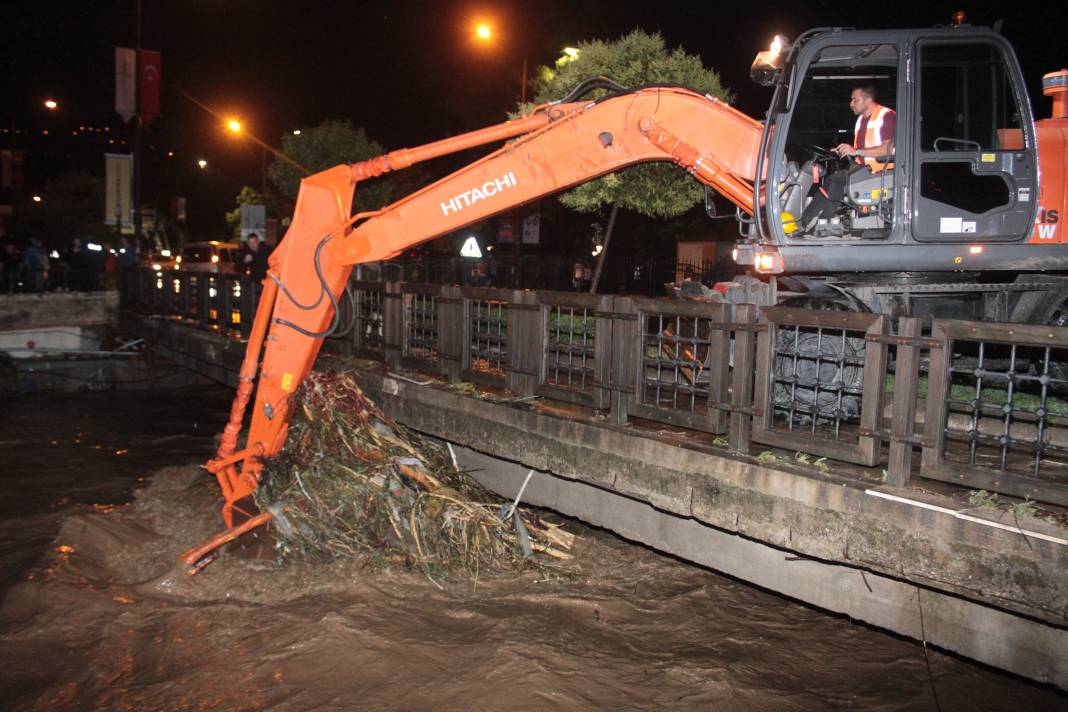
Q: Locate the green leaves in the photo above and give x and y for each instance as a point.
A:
(634, 60)
(329, 144)
(247, 196)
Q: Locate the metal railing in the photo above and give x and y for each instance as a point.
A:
(1000, 424)
(987, 404)
(222, 301)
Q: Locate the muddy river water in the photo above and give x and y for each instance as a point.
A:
(100, 492)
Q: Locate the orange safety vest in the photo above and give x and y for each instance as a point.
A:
(872, 137)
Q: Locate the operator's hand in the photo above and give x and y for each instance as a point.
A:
(844, 149)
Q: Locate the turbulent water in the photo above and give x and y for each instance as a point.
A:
(98, 616)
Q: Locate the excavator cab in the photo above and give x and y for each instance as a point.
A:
(963, 169)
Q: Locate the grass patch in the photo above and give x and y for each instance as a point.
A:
(1022, 400)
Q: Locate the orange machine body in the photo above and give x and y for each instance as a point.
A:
(1052, 162)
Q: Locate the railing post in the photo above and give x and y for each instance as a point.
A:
(874, 389)
(226, 294)
(166, 299)
(602, 354)
(626, 357)
(747, 372)
(392, 324)
(718, 360)
(203, 299)
(247, 304)
(903, 410)
(526, 343)
(934, 424)
(451, 332)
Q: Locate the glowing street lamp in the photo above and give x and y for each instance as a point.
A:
(296, 132)
(51, 104)
(37, 199)
(234, 126)
(483, 32)
(202, 164)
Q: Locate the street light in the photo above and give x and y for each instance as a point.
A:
(51, 104)
(483, 32)
(37, 199)
(296, 132)
(202, 164)
(234, 126)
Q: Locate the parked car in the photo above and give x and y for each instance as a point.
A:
(161, 260)
(212, 256)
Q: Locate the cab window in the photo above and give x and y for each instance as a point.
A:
(967, 102)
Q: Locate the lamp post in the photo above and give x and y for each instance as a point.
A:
(234, 126)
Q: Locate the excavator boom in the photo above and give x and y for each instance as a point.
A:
(558, 146)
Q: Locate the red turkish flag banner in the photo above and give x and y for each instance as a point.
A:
(151, 79)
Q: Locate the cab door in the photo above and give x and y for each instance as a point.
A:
(974, 173)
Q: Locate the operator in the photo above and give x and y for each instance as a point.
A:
(873, 138)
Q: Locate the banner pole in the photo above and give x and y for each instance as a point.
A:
(137, 136)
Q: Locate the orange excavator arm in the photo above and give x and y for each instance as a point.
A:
(558, 146)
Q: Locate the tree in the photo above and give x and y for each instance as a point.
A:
(325, 146)
(247, 196)
(658, 190)
(72, 206)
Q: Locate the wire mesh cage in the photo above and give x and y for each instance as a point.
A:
(489, 336)
(571, 334)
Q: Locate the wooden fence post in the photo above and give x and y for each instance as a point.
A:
(934, 424)
(451, 332)
(744, 378)
(718, 360)
(602, 354)
(392, 324)
(525, 342)
(903, 410)
(626, 347)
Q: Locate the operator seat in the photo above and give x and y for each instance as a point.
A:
(795, 189)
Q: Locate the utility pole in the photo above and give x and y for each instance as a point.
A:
(137, 136)
(517, 218)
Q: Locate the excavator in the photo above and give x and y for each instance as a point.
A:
(963, 219)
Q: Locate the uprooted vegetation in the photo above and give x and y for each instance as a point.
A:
(351, 482)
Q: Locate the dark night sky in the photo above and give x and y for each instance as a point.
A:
(405, 70)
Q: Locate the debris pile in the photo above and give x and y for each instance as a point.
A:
(352, 482)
